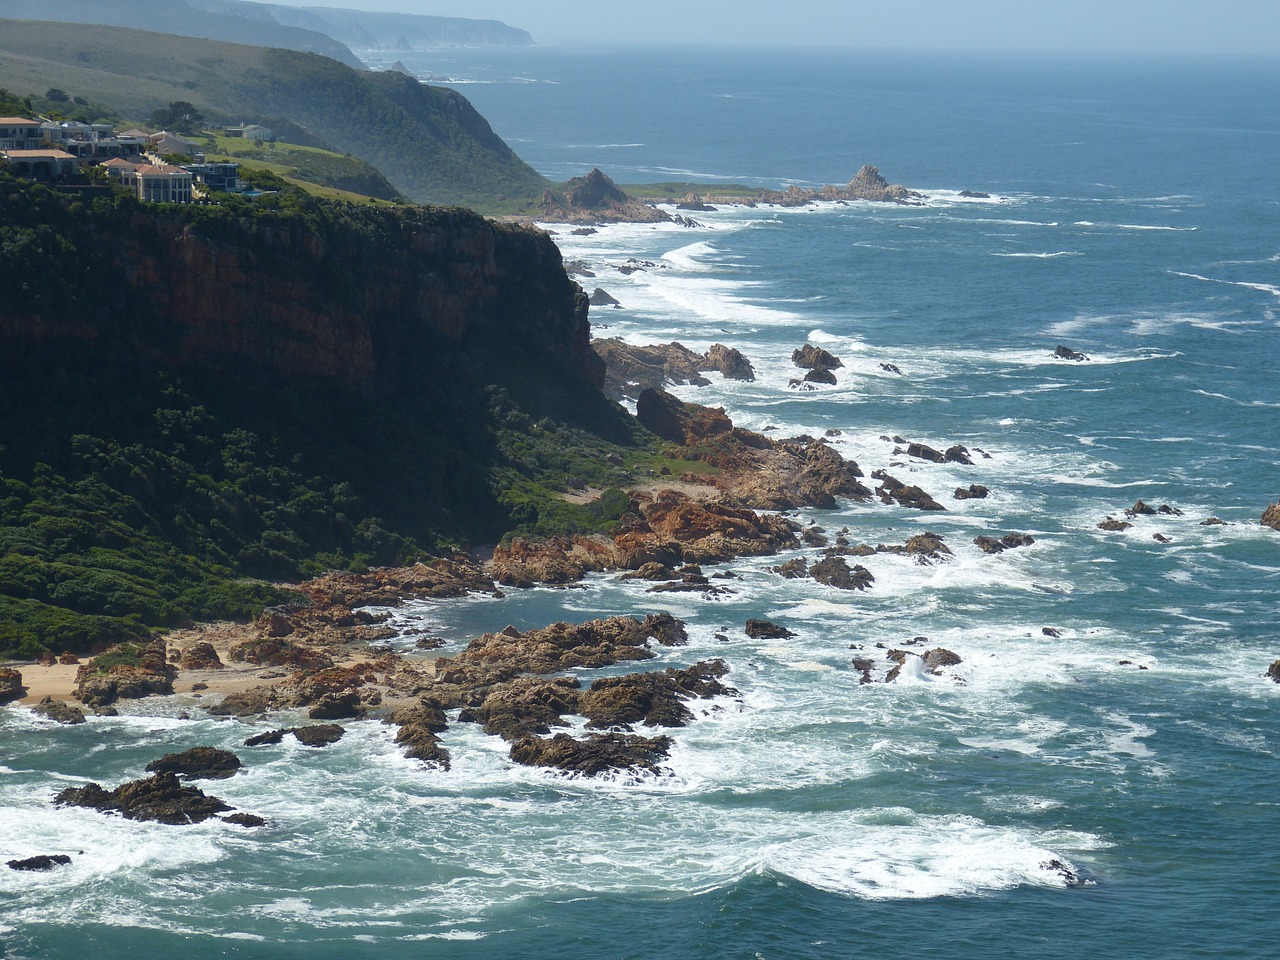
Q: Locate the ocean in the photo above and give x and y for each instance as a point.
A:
(1109, 792)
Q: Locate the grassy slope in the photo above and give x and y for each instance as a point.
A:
(429, 142)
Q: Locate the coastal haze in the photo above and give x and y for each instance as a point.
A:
(1080, 292)
(1085, 26)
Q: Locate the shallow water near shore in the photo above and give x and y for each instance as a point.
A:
(1132, 217)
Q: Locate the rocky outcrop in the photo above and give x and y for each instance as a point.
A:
(200, 656)
(866, 184)
(932, 661)
(652, 699)
(810, 357)
(525, 706)
(11, 687)
(564, 646)
(731, 362)
(767, 630)
(1271, 516)
(892, 490)
(976, 491)
(127, 671)
(595, 198)
(41, 862)
(58, 711)
(198, 763)
(1114, 525)
(161, 798)
(836, 572)
(1273, 672)
(602, 298)
(1007, 542)
(594, 754)
(1066, 353)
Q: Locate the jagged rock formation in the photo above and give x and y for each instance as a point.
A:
(596, 199)
(866, 184)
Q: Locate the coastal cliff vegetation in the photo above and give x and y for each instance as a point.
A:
(202, 402)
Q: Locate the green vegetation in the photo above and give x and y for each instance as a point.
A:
(141, 487)
(429, 142)
(675, 191)
(312, 165)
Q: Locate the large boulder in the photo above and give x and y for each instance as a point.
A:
(41, 862)
(731, 362)
(200, 656)
(810, 357)
(767, 630)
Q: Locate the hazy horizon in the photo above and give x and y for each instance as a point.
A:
(1230, 27)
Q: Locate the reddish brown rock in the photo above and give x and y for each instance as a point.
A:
(198, 763)
(766, 630)
(200, 656)
(525, 706)
(564, 646)
(124, 672)
(11, 687)
(836, 572)
(654, 699)
(810, 357)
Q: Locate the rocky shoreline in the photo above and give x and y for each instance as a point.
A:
(326, 655)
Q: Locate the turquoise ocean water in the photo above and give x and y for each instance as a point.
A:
(1135, 216)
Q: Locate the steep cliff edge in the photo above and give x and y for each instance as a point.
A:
(193, 395)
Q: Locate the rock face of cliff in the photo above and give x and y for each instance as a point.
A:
(351, 295)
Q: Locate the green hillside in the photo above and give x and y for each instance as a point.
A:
(429, 142)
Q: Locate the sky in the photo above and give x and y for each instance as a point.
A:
(1249, 27)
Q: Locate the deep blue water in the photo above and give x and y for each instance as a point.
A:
(1134, 216)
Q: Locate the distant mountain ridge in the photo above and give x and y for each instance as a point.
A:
(329, 31)
(364, 30)
(184, 18)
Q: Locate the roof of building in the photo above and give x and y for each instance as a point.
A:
(163, 169)
(38, 154)
(19, 122)
(117, 163)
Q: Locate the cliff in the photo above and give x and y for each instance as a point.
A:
(197, 396)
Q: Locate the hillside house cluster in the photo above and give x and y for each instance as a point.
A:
(59, 151)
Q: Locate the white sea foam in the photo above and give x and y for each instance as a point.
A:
(1041, 256)
(1270, 288)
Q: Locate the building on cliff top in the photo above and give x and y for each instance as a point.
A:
(153, 183)
(42, 164)
(20, 133)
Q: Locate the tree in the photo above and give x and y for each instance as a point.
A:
(180, 115)
(56, 95)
